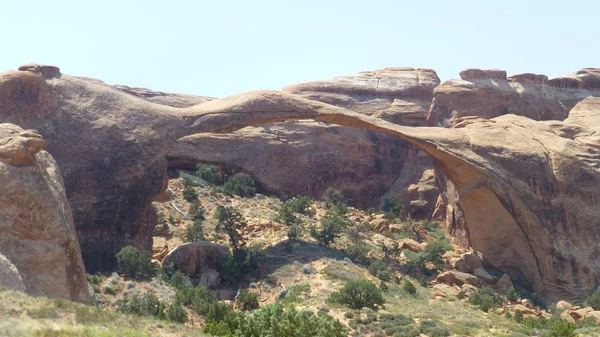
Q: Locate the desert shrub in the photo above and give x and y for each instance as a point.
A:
(198, 299)
(134, 263)
(161, 225)
(291, 295)
(358, 294)
(190, 180)
(276, 320)
(176, 313)
(196, 210)
(332, 226)
(179, 280)
(300, 204)
(217, 328)
(433, 253)
(195, 231)
(512, 294)
(232, 224)
(409, 287)
(518, 316)
(561, 328)
(286, 215)
(593, 301)
(240, 184)
(241, 263)
(485, 298)
(393, 208)
(434, 329)
(190, 194)
(209, 173)
(379, 269)
(247, 300)
(294, 232)
(335, 201)
(357, 250)
(143, 305)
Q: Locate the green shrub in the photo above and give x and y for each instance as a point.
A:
(232, 224)
(486, 299)
(195, 231)
(434, 329)
(209, 173)
(379, 269)
(240, 184)
(357, 251)
(519, 316)
(286, 215)
(300, 204)
(191, 180)
(247, 300)
(180, 280)
(561, 328)
(335, 201)
(243, 262)
(198, 299)
(433, 253)
(217, 328)
(393, 208)
(358, 295)
(161, 227)
(143, 305)
(332, 226)
(593, 301)
(196, 210)
(294, 232)
(190, 194)
(176, 313)
(275, 320)
(134, 263)
(512, 295)
(409, 287)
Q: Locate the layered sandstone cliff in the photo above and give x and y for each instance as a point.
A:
(39, 251)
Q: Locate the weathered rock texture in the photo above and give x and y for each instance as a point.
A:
(9, 275)
(318, 155)
(397, 95)
(490, 93)
(526, 189)
(110, 147)
(38, 235)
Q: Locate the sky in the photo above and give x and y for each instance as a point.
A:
(219, 48)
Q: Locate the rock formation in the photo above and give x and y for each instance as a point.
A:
(490, 93)
(39, 251)
(9, 275)
(318, 155)
(526, 189)
(198, 259)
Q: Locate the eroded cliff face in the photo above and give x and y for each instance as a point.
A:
(38, 245)
(110, 147)
(490, 93)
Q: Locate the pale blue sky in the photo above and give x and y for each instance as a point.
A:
(219, 48)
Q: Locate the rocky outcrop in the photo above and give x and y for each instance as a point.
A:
(490, 93)
(9, 275)
(39, 251)
(398, 95)
(110, 147)
(198, 259)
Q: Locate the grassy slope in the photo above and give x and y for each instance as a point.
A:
(22, 316)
